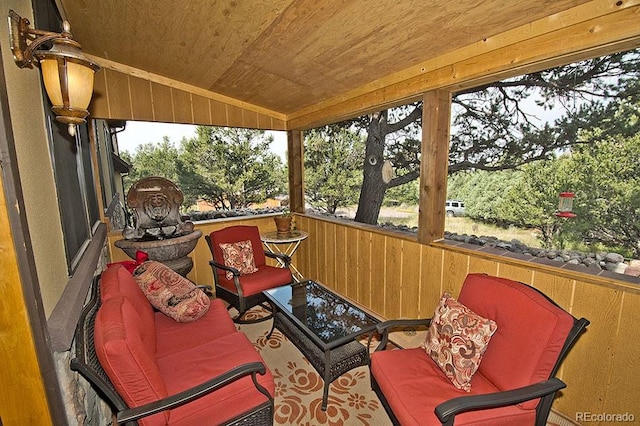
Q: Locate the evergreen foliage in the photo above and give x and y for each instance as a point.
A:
(333, 167)
(229, 168)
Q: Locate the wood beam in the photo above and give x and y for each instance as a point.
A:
(295, 151)
(164, 81)
(436, 118)
(595, 28)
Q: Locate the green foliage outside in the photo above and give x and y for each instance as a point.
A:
(333, 167)
(604, 174)
(152, 159)
(407, 194)
(498, 126)
(227, 167)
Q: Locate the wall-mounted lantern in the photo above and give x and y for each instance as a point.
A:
(67, 73)
(565, 205)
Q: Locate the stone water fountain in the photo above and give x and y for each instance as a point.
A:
(159, 230)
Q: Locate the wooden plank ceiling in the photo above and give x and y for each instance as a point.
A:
(286, 55)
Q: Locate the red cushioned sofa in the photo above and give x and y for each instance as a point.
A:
(157, 371)
(515, 383)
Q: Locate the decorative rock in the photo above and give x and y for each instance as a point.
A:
(633, 271)
(614, 258)
(618, 268)
(594, 265)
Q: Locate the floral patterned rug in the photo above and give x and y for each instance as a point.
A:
(298, 397)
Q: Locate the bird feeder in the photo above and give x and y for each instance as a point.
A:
(565, 205)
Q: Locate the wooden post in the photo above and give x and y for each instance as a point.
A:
(296, 170)
(436, 118)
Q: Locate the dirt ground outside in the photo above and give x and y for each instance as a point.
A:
(408, 216)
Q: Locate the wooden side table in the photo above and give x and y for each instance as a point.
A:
(284, 243)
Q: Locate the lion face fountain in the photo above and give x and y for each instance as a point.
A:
(159, 230)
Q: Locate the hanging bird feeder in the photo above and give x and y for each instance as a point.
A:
(565, 205)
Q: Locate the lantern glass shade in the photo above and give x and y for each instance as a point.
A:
(68, 79)
(79, 82)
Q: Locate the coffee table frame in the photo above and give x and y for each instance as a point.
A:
(340, 355)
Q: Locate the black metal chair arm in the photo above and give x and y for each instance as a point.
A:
(204, 287)
(286, 259)
(234, 271)
(252, 368)
(384, 327)
(447, 411)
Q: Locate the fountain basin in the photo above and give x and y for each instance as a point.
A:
(173, 252)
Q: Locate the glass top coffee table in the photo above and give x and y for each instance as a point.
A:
(323, 326)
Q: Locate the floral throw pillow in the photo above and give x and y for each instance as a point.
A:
(240, 256)
(171, 293)
(457, 339)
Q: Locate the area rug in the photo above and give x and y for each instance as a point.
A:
(298, 394)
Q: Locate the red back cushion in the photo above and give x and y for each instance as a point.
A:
(531, 330)
(127, 357)
(116, 280)
(233, 234)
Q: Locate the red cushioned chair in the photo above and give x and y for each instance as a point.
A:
(244, 291)
(515, 383)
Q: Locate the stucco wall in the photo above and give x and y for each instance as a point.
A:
(34, 164)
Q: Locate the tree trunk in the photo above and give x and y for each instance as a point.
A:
(373, 187)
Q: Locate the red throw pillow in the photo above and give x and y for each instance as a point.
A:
(171, 293)
(457, 339)
(131, 265)
(240, 256)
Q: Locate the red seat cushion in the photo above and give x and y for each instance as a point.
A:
(200, 363)
(414, 385)
(524, 350)
(125, 347)
(267, 277)
(173, 337)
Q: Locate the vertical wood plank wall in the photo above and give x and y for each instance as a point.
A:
(120, 96)
(398, 278)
